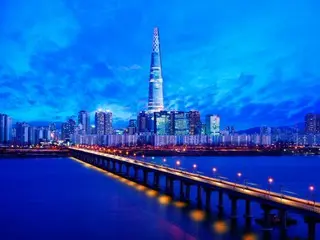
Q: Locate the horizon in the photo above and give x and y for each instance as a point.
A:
(251, 73)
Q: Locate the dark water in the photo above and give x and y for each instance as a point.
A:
(64, 199)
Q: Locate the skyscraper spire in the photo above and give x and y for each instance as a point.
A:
(155, 100)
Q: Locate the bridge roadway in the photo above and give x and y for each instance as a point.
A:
(269, 200)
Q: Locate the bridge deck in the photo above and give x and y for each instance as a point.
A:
(264, 196)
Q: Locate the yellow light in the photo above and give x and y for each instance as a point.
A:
(220, 227)
(179, 204)
(164, 200)
(141, 188)
(249, 236)
(152, 193)
(197, 215)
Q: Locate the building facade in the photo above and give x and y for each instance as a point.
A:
(212, 125)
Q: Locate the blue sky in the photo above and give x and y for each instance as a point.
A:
(252, 62)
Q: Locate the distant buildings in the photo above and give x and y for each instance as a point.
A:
(103, 123)
(5, 129)
(84, 120)
(312, 123)
(67, 129)
(212, 125)
(194, 123)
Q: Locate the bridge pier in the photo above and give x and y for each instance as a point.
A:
(136, 173)
(220, 200)
(145, 177)
(182, 197)
(187, 197)
(283, 218)
(156, 179)
(169, 186)
(208, 199)
(266, 217)
(114, 169)
(199, 196)
(108, 164)
(128, 170)
(234, 206)
(120, 167)
(311, 221)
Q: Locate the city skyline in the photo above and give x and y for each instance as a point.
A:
(217, 65)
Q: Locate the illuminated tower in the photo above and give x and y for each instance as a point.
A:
(155, 100)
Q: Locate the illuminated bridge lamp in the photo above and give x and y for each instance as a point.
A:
(311, 189)
(178, 163)
(194, 167)
(164, 160)
(214, 170)
(270, 181)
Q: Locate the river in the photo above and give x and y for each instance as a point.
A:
(60, 198)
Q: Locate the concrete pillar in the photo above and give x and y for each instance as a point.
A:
(171, 189)
(114, 169)
(108, 165)
(120, 167)
(136, 173)
(156, 179)
(248, 209)
(311, 230)
(145, 176)
(181, 190)
(188, 192)
(208, 199)
(167, 184)
(199, 196)
(266, 216)
(128, 170)
(311, 227)
(234, 207)
(283, 218)
(220, 200)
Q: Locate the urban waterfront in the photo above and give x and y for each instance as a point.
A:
(50, 198)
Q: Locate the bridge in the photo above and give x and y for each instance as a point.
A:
(267, 199)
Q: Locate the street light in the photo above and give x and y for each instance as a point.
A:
(164, 161)
(270, 181)
(311, 189)
(194, 167)
(214, 170)
(177, 164)
(239, 174)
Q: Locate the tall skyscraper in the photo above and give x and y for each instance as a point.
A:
(162, 123)
(84, 120)
(155, 100)
(67, 129)
(145, 122)
(312, 123)
(194, 123)
(22, 133)
(108, 130)
(99, 122)
(179, 123)
(103, 122)
(213, 125)
(132, 128)
(5, 129)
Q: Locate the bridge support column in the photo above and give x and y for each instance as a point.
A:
(199, 196)
(187, 192)
(128, 170)
(145, 177)
(156, 178)
(220, 200)
(167, 184)
(266, 217)
(283, 218)
(120, 167)
(181, 190)
(311, 227)
(247, 214)
(136, 173)
(171, 187)
(234, 207)
(208, 199)
(108, 165)
(114, 169)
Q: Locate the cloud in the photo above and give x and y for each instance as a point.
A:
(252, 63)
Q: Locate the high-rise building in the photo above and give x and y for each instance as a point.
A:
(145, 122)
(103, 123)
(22, 133)
(108, 130)
(5, 129)
(162, 123)
(67, 129)
(194, 123)
(84, 120)
(155, 100)
(99, 122)
(312, 123)
(132, 128)
(213, 125)
(179, 123)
